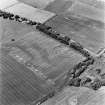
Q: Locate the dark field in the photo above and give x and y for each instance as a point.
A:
(59, 6)
(37, 3)
(83, 31)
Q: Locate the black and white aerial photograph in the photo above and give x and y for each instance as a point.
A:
(52, 52)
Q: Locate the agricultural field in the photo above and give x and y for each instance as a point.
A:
(28, 60)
